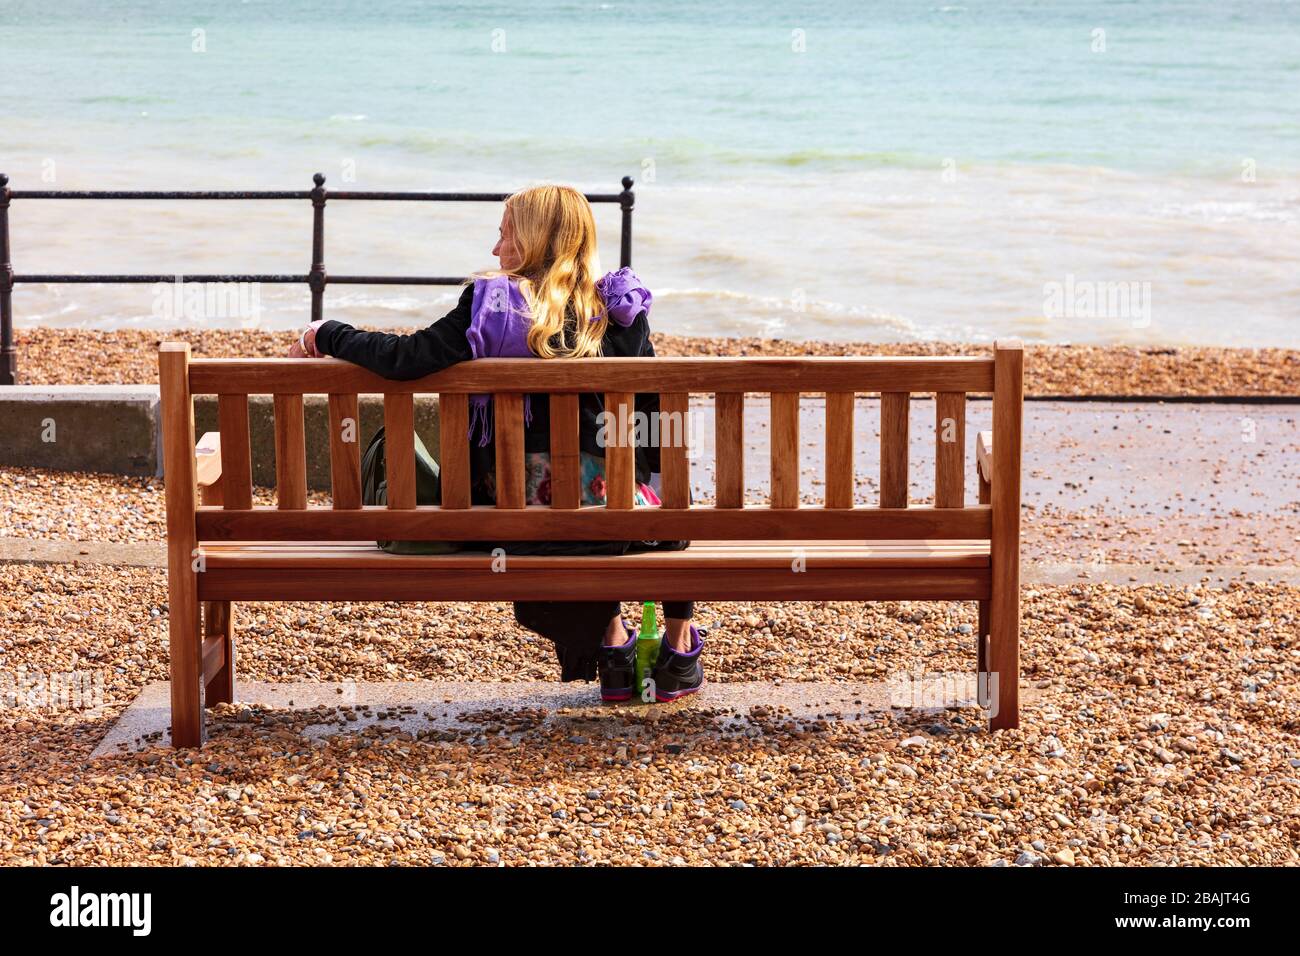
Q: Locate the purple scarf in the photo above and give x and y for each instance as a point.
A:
(500, 322)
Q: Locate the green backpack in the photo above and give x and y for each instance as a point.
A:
(428, 491)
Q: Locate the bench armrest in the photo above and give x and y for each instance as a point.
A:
(984, 455)
(207, 460)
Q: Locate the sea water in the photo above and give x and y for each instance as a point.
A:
(1095, 172)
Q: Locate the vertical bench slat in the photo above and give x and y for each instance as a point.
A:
(508, 428)
(839, 449)
(453, 466)
(785, 450)
(566, 452)
(729, 448)
(345, 452)
(290, 453)
(620, 452)
(893, 449)
(399, 450)
(674, 465)
(950, 450)
(236, 459)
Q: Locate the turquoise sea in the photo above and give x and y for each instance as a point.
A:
(839, 170)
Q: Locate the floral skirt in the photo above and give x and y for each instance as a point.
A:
(537, 481)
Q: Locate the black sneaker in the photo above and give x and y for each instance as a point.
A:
(677, 674)
(618, 668)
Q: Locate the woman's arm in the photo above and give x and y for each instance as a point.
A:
(401, 357)
(633, 341)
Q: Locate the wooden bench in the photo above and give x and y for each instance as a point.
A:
(222, 549)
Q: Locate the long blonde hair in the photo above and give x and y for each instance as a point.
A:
(555, 234)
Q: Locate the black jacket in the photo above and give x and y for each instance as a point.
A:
(443, 344)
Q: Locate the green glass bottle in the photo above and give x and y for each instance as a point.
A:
(647, 650)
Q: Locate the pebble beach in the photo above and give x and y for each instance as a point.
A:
(130, 356)
(1158, 729)
(1158, 717)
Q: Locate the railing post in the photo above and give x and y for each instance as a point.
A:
(8, 357)
(625, 200)
(316, 278)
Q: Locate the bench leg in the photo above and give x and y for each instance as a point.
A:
(1003, 664)
(219, 625)
(186, 645)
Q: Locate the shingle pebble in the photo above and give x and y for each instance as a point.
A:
(815, 788)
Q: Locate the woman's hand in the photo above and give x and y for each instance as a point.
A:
(305, 347)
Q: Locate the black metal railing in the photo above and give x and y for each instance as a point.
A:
(316, 278)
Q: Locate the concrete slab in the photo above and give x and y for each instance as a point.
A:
(417, 706)
(261, 435)
(116, 429)
(106, 428)
(141, 554)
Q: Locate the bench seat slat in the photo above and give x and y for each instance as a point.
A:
(896, 546)
(541, 522)
(252, 583)
(738, 556)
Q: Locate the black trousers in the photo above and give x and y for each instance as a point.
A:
(577, 628)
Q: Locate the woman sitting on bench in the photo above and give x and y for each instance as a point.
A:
(531, 307)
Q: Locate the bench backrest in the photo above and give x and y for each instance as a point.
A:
(674, 379)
